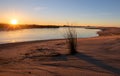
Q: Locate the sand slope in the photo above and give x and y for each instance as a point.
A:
(98, 56)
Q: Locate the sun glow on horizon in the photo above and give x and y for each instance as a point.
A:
(14, 21)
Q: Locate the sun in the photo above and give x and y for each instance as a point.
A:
(14, 21)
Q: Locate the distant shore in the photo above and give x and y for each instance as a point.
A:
(109, 31)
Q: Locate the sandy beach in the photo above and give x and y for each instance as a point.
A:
(98, 56)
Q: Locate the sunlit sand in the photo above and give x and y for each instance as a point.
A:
(98, 56)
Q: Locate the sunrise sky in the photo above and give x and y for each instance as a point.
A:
(77, 12)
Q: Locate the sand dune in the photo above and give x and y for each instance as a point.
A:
(98, 56)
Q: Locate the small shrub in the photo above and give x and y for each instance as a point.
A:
(71, 40)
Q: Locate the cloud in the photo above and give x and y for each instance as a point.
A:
(38, 8)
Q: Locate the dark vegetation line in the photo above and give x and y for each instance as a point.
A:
(4, 26)
(16, 27)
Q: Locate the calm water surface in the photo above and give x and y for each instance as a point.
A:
(42, 34)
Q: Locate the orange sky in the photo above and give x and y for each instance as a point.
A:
(62, 12)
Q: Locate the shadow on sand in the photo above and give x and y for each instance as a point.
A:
(98, 63)
(88, 59)
(60, 58)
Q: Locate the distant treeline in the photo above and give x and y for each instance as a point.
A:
(15, 27)
(30, 26)
(39, 26)
(3, 25)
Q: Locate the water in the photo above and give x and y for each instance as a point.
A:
(42, 34)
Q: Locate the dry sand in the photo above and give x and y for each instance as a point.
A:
(98, 56)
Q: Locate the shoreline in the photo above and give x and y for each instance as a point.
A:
(105, 31)
(43, 39)
(109, 31)
(97, 56)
